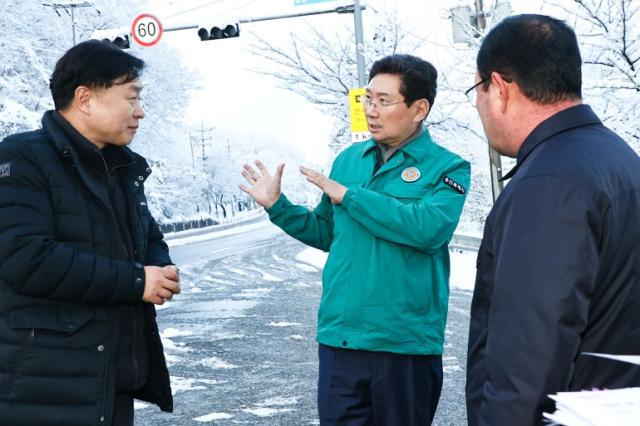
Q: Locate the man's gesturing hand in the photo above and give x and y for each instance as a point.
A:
(333, 189)
(160, 284)
(265, 189)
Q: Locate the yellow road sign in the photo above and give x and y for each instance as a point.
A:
(359, 128)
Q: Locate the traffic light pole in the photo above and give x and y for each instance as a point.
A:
(356, 9)
(341, 9)
(357, 20)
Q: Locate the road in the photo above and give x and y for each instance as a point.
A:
(240, 338)
(261, 234)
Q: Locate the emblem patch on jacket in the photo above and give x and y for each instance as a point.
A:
(455, 185)
(410, 174)
(5, 170)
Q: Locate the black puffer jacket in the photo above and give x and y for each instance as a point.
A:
(61, 287)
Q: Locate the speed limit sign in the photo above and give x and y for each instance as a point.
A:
(146, 29)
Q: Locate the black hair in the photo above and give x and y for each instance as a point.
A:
(92, 63)
(538, 52)
(419, 78)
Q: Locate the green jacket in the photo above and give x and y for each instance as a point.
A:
(386, 280)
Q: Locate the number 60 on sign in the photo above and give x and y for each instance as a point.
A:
(146, 29)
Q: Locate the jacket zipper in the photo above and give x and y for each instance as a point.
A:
(131, 315)
(107, 182)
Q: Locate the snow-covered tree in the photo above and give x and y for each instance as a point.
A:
(29, 46)
(321, 66)
(322, 69)
(34, 35)
(609, 35)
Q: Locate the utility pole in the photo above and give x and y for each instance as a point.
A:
(495, 163)
(72, 7)
(202, 143)
(202, 139)
(193, 158)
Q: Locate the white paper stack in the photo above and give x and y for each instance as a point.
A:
(618, 407)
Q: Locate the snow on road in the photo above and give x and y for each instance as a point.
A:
(463, 265)
(238, 355)
(463, 269)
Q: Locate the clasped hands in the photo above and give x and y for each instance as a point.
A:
(161, 283)
(265, 188)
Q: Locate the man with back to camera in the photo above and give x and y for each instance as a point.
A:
(559, 265)
(388, 211)
(82, 261)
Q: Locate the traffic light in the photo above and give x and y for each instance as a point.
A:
(219, 32)
(121, 42)
(119, 37)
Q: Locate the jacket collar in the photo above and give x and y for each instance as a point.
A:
(570, 118)
(417, 148)
(100, 162)
(75, 147)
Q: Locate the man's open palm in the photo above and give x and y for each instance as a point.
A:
(263, 187)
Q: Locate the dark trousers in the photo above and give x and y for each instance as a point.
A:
(123, 410)
(358, 388)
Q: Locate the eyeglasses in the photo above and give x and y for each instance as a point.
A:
(472, 93)
(380, 103)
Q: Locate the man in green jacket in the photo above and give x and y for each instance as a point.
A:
(389, 209)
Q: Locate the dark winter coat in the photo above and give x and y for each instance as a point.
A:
(62, 284)
(558, 274)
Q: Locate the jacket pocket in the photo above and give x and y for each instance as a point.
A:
(53, 326)
(62, 361)
(54, 318)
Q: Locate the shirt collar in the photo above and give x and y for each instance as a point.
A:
(570, 118)
(416, 146)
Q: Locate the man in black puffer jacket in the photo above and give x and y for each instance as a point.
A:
(82, 261)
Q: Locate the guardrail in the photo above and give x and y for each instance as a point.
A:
(458, 241)
(186, 229)
(465, 242)
(184, 226)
